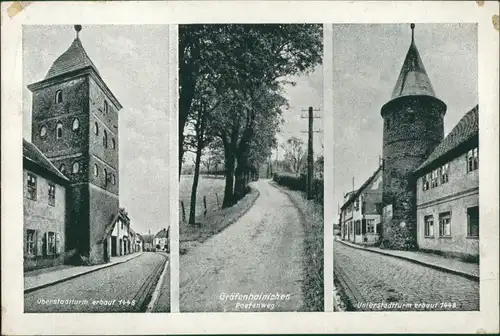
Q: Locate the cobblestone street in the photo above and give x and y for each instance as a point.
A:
(389, 283)
(125, 287)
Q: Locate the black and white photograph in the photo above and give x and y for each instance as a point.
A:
(95, 168)
(406, 167)
(251, 168)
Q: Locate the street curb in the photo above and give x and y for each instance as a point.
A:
(156, 292)
(32, 289)
(436, 267)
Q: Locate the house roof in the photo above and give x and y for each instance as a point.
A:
(413, 79)
(75, 58)
(34, 155)
(121, 213)
(162, 234)
(467, 128)
(356, 193)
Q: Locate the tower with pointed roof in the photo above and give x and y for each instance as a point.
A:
(413, 127)
(75, 125)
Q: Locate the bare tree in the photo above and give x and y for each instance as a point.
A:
(294, 153)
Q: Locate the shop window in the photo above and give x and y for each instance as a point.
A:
(370, 226)
(445, 224)
(473, 222)
(31, 186)
(429, 226)
(52, 194)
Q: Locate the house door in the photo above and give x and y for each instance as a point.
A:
(113, 246)
(105, 250)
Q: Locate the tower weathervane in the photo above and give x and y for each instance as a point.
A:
(78, 28)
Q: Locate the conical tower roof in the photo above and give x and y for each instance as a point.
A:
(75, 58)
(413, 79)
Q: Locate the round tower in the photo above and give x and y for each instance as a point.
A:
(413, 127)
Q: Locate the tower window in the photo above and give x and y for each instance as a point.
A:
(96, 128)
(76, 167)
(59, 97)
(105, 177)
(59, 130)
(76, 124)
(105, 139)
(62, 168)
(113, 180)
(43, 131)
(113, 144)
(388, 123)
(105, 107)
(96, 170)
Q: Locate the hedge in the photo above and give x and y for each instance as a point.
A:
(299, 182)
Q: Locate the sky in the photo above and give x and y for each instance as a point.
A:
(133, 62)
(367, 60)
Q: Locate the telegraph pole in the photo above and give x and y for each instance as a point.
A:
(310, 153)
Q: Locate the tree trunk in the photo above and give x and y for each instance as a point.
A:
(194, 188)
(228, 190)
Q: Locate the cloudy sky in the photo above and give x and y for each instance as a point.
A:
(367, 60)
(133, 61)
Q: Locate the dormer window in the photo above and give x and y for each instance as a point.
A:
(96, 128)
(76, 167)
(113, 143)
(105, 107)
(59, 97)
(76, 124)
(59, 130)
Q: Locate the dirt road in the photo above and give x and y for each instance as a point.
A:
(253, 265)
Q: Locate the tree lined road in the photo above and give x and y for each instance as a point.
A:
(259, 254)
(368, 277)
(124, 287)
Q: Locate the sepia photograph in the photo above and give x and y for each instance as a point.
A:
(251, 168)
(406, 167)
(94, 121)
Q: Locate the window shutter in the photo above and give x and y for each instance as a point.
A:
(58, 244)
(45, 244)
(363, 226)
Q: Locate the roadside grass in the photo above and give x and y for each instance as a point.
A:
(214, 222)
(311, 213)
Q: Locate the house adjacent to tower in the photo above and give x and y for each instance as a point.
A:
(448, 192)
(44, 207)
(430, 184)
(75, 127)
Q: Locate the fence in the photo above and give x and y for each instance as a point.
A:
(204, 204)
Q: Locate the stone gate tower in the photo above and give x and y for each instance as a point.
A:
(75, 124)
(413, 127)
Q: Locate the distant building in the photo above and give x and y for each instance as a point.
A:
(161, 240)
(148, 242)
(44, 188)
(361, 223)
(430, 185)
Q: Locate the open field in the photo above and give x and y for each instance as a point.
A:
(208, 186)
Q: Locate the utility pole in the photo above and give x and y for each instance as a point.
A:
(310, 153)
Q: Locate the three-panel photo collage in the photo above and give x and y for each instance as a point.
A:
(293, 192)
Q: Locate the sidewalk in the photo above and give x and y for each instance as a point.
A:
(35, 280)
(455, 266)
